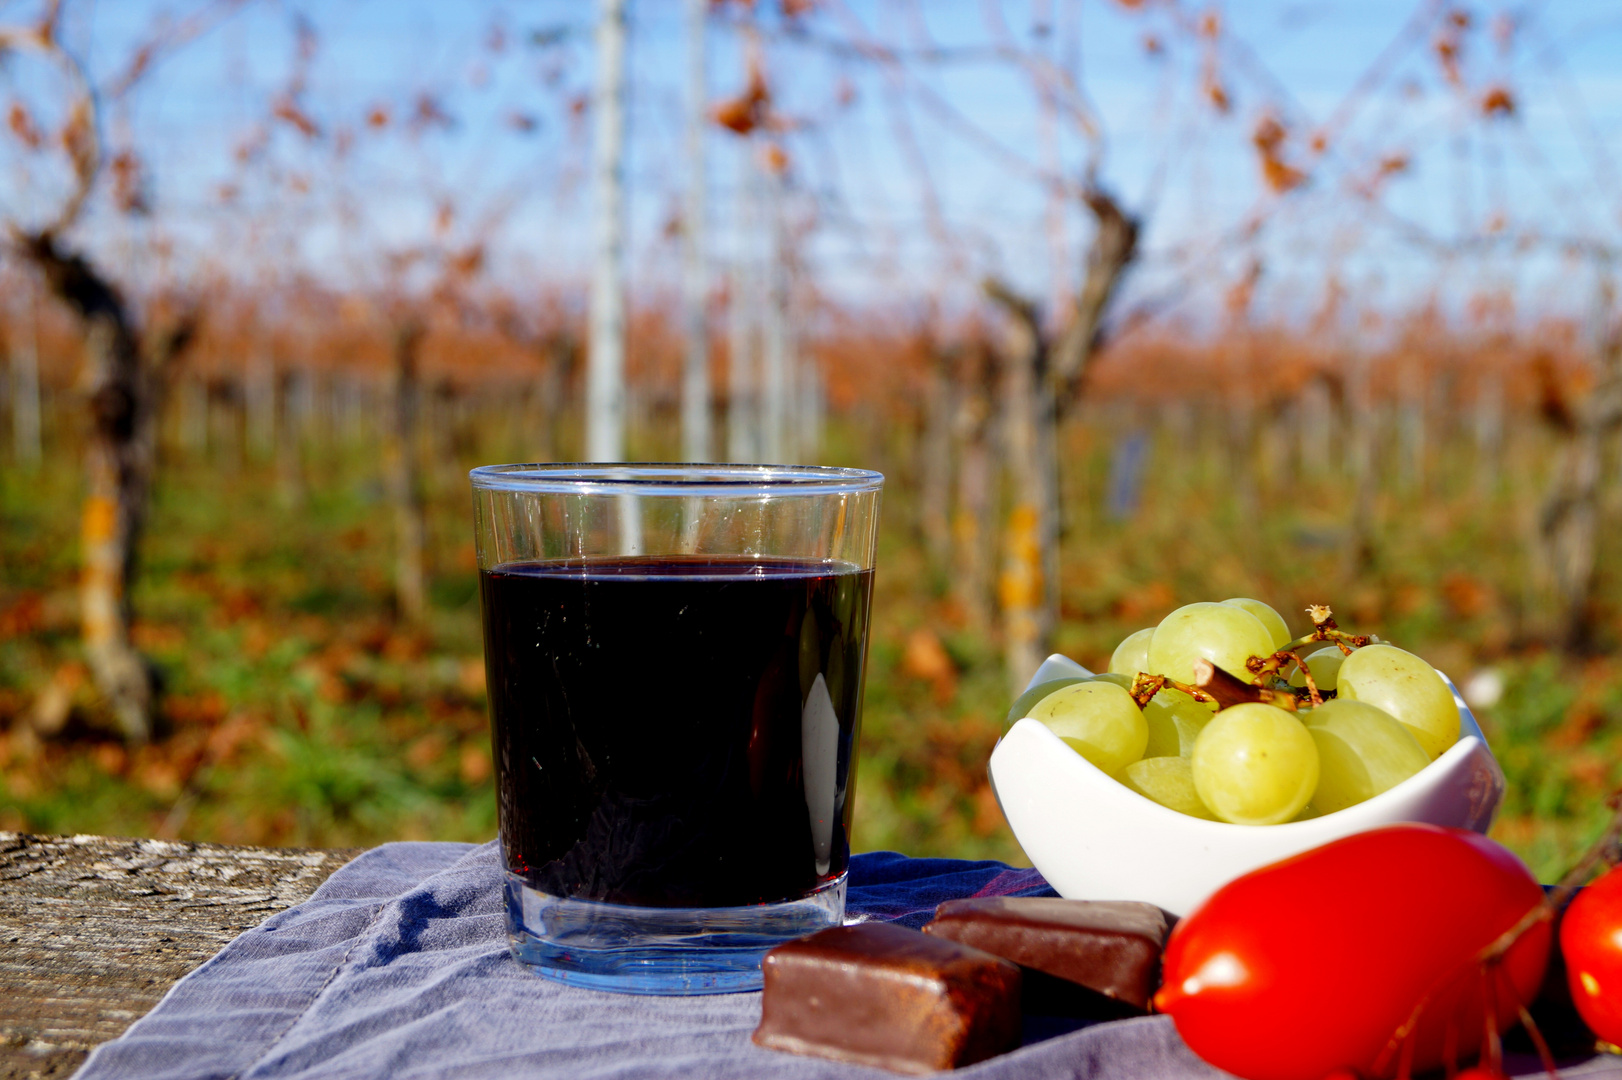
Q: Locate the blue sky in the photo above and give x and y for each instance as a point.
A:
(1483, 207)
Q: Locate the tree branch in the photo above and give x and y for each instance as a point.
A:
(1114, 245)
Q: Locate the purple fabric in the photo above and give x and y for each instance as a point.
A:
(398, 967)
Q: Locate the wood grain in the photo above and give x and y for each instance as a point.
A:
(94, 930)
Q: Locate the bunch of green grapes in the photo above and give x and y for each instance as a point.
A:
(1372, 717)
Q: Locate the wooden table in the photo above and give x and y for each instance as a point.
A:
(94, 930)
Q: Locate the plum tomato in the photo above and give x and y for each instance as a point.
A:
(1591, 942)
(1311, 965)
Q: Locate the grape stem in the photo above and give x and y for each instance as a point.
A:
(1275, 664)
(1228, 690)
(1324, 628)
(1312, 684)
(1145, 686)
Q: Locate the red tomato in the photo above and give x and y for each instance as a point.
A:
(1591, 941)
(1309, 966)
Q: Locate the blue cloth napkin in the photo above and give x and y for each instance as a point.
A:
(398, 966)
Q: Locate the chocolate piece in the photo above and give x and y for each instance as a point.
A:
(1112, 948)
(884, 995)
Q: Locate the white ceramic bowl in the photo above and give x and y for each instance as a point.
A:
(1096, 840)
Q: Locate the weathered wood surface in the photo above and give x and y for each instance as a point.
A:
(94, 930)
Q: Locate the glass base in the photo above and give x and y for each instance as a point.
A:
(646, 950)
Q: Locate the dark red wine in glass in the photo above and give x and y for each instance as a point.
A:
(675, 731)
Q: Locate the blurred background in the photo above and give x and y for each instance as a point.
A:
(1134, 302)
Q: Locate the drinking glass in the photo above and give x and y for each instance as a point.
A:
(675, 656)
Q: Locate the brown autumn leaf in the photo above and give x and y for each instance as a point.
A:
(79, 140)
(474, 765)
(288, 111)
(425, 751)
(1269, 134)
(1446, 47)
(22, 126)
(1498, 101)
(465, 264)
(987, 813)
(1269, 138)
(25, 616)
(129, 183)
(775, 159)
(748, 110)
(377, 117)
(429, 113)
(1281, 177)
(733, 115)
(926, 658)
(1467, 596)
(1392, 164)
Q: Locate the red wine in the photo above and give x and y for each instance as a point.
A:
(675, 731)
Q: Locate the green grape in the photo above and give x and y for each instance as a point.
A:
(1325, 667)
(1362, 751)
(1027, 701)
(1405, 686)
(1225, 635)
(1168, 781)
(1098, 720)
(1269, 618)
(1123, 681)
(1255, 764)
(1132, 654)
(1175, 720)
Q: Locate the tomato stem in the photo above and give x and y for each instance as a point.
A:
(1531, 1027)
(1492, 1051)
(1604, 849)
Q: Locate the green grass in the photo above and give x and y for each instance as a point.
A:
(298, 711)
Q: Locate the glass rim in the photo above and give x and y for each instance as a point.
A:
(673, 479)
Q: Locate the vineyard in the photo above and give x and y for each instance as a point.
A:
(300, 708)
(1152, 334)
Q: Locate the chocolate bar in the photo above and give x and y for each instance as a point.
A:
(1110, 948)
(884, 995)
